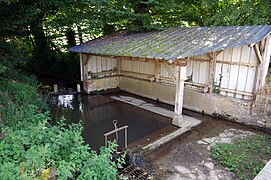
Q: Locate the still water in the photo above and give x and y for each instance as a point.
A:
(97, 113)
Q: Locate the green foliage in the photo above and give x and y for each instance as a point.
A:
(30, 146)
(41, 146)
(245, 157)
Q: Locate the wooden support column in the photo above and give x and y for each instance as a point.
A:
(81, 67)
(212, 56)
(181, 76)
(85, 66)
(119, 65)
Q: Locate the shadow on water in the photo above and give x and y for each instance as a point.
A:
(98, 112)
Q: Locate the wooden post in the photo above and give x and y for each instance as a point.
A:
(119, 66)
(81, 67)
(78, 88)
(55, 89)
(266, 59)
(85, 67)
(181, 76)
(212, 70)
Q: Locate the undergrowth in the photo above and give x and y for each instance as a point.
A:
(31, 148)
(245, 157)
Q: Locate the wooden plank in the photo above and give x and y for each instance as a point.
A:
(189, 68)
(238, 74)
(230, 66)
(203, 74)
(93, 64)
(109, 63)
(227, 55)
(225, 76)
(258, 54)
(104, 64)
(99, 64)
(233, 77)
(196, 67)
(136, 74)
(251, 80)
(236, 92)
(236, 52)
(245, 55)
(242, 78)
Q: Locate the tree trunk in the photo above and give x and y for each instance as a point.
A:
(70, 34)
(42, 52)
(140, 8)
(80, 34)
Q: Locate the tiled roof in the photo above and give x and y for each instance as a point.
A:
(174, 43)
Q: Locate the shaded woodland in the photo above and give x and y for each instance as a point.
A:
(40, 32)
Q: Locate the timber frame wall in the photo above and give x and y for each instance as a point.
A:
(237, 72)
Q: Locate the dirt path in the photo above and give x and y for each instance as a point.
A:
(193, 160)
(188, 157)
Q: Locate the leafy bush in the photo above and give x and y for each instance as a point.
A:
(245, 157)
(31, 148)
(61, 147)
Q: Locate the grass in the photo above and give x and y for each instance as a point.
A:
(245, 157)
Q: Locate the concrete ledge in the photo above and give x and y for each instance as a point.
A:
(265, 173)
(144, 105)
(187, 124)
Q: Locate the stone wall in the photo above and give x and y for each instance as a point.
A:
(261, 111)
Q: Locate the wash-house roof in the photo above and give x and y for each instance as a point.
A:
(174, 43)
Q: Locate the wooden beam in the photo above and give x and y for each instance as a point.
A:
(258, 53)
(226, 62)
(177, 62)
(212, 55)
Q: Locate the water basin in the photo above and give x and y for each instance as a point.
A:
(97, 113)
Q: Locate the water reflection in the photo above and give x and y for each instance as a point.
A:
(97, 114)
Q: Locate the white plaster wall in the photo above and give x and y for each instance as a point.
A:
(243, 111)
(163, 92)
